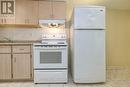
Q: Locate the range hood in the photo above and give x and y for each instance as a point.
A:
(51, 23)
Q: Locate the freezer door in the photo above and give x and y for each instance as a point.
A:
(89, 18)
(89, 56)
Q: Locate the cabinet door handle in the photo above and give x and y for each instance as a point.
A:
(21, 49)
(14, 60)
(2, 21)
(5, 21)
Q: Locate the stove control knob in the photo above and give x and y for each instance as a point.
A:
(53, 35)
(44, 36)
(63, 36)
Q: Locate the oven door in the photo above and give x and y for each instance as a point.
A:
(50, 58)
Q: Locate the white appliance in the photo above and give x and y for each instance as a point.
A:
(51, 58)
(88, 44)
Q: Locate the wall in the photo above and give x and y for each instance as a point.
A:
(27, 34)
(16, 34)
(117, 33)
(118, 37)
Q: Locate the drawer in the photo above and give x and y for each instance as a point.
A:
(21, 49)
(50, 76)
(5, 49)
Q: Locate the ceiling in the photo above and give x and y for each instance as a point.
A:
(111, 4)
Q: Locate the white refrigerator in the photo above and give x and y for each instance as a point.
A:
(88, 44)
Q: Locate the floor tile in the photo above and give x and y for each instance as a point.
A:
(56, 85)
(115, 78)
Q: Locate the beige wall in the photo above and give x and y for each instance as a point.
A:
(117, 34)
(20, 34)
(118, 37)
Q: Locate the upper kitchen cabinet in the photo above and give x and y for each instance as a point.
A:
(52, 10)
(44, 11)
(26, 12)
(7, 20)
(59, 10)
(7, 12)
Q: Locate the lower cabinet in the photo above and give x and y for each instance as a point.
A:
(17, 63)
(5, 66)
(21, 66)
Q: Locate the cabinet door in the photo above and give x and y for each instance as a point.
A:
(26, 12)
(32, 11)
(21, 66)
(59, 10)
(44, 10)
(5, 66)
(7, 20)
(21, 12)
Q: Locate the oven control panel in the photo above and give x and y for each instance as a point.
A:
(50, 46)
(51, 36)
(54, 42)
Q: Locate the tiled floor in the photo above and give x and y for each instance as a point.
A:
(118, 77)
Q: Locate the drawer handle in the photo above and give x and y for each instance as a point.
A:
(21, 49)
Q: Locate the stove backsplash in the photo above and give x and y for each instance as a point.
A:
(23, 34)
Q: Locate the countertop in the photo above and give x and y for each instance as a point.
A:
(17, 42)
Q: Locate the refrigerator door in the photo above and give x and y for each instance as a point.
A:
(89, 18)
(89, 56)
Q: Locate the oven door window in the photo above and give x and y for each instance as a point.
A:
(50, 57)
